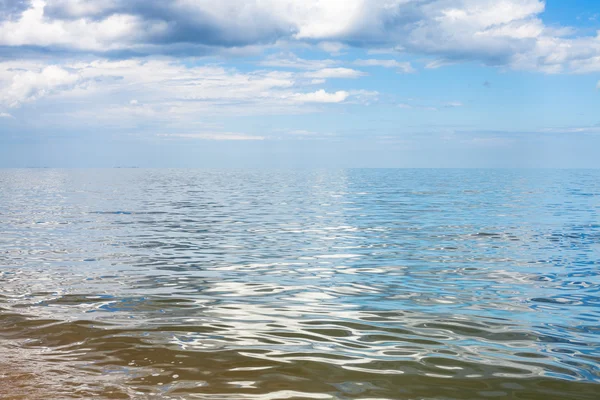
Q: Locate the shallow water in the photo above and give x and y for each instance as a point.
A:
(349, 284)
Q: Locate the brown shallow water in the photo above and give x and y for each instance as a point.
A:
(353, 284)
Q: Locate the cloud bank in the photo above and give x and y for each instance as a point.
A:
(494, 32)
(164, 95)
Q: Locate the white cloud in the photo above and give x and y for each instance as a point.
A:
(5, 115)
(321, 96)
(405, 67)
(290, 60)
(116, 31)
(326, 73)
(453, 104)
(517, 30)
(365, 97)
(495, 32)
(170, 95)
(333, 48)
(439, 63)
(29, 86)
(151, 81)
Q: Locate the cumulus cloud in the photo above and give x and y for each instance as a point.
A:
(29, 86)
(494, 32)
(115, 31)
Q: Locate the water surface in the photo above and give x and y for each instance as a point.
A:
(349, 284)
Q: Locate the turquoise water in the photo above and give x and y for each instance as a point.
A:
(347, 284)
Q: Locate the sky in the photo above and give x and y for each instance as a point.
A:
(300, 83)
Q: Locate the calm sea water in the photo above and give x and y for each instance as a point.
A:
(349, 284)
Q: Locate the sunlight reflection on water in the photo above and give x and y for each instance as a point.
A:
(350, 284)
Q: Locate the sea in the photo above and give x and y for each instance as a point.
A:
(414, 284)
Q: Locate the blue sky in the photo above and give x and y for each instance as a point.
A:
(299, 83)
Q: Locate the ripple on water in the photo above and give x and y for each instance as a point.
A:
(350, 284)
